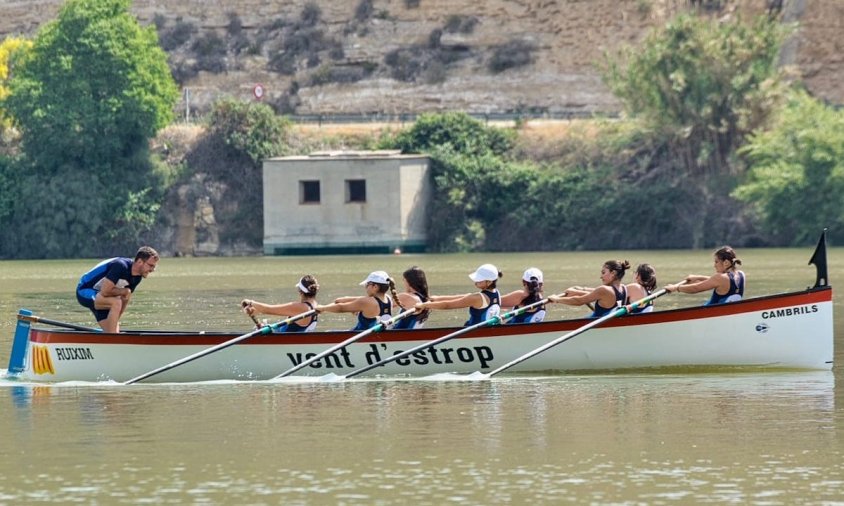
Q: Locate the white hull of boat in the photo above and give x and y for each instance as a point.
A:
(788, 331)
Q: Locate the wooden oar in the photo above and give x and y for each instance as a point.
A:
(257, 323)
(495, 320)
(263, 330)
(618, 312)
(375, 328)
(47, 321)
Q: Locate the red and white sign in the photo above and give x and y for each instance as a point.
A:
(258, 91)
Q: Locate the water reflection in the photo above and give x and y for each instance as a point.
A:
(595, 438)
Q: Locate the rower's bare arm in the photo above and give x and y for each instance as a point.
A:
(357, 304)
(578, 290)
(512, 299)
(287, 309)
(445, 298)
(578, 300)
(711, 283)
(461, 301)
(109, 289)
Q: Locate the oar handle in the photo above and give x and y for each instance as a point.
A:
(244, 305)
(263, 330)
(375, 328)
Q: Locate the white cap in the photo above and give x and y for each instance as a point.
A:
(486, 272)
(380, 277)
(531, 274)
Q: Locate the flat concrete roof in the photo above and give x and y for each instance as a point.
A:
(348, 155)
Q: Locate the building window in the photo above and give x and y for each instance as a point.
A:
(355, 190)
(309, 192)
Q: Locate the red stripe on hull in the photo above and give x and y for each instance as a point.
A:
(50, 336)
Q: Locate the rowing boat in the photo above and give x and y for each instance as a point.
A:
(782, 331)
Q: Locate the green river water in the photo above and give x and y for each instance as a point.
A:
(678, 438)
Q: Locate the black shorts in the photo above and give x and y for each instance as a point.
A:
(86, 296)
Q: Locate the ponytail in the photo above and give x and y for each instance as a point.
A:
(728, 253)
(618, 267)
(393, 292)
(418, 282)
(308, 285)
(534, 288)
(647, 275)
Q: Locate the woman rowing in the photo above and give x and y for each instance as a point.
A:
(727, 284)
(530, 293)
(644, 284)
(308, 288)
(482, 305)
(372, 308)
(415, 291)
(612, 294)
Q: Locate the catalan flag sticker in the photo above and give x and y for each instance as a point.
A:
(41, 361)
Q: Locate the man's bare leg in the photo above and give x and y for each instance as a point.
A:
(115, 309)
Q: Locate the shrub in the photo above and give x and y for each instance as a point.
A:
(460, 131)
(311, 14)
(513, 54)
(364, 10)
(795, 181)
(177, 36)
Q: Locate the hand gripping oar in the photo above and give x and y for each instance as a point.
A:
(257, 323)
(47, 321)
(375, 328)
(263, 330)
(495, 320)
(618, 312)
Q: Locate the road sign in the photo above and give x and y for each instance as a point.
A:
(258, 91)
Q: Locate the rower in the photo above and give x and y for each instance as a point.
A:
(727, 284)
(374, 307)
(482, 305)
(611, 295)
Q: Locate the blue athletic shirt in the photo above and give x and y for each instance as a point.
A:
(620, 297)
(735, 293)
(413, 321)
(384, 309)
(297, 327)
(534, 315)
(118, 270)
(647, 308)
(493, 308)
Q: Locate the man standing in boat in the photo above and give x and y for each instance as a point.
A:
(107, 288)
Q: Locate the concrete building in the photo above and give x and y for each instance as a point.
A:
(345, 202)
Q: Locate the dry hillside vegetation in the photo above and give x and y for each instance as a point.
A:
(408, 56)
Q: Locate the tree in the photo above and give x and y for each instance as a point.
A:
(11, 49)
(94, 88)
(796, 178)
(88, 96)
(703, 84)
(239, 137)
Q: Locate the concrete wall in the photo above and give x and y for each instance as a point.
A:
(393, 215)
